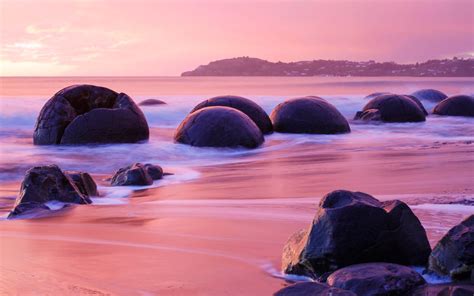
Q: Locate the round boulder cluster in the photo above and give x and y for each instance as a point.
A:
(392, 108)
(250, 108)
(308, 115)
(431, 95)
(82, 114)
(461, 105)
(219, 127)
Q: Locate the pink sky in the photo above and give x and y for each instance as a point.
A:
(145, 37)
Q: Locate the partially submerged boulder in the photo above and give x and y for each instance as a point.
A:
(219, 127)
(461, 105)
(44, 184)
(250, 108)
(431, 95)
(394, 108)
(82, 114)
(308, 115)
(454, 253)
(312, 289)
(152, 102)
(354, 227)
(444, 290)
(137, 174)
(376, 279)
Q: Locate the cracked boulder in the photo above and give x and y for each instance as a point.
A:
(137, 174)
(219, 127)
(82, 114)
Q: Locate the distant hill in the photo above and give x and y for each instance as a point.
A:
(246, 66)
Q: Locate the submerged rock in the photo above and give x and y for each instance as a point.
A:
(394, 108)
(152, 102)
(83, 182)
(431, 95)
(82, 114)
(354, 227)
(250, 108)
(461, 105)
(44, 184)
(308, 115)
(376, 279)
(137, 174)
(219, 127)
(444, 290)
(454, 253)
(312, 289)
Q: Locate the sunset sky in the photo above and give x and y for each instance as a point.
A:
(145, 37)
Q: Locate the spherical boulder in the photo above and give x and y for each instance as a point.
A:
(137, 174)
(453, 255)
(312, 289)
(152, 102)
(431, 95)
(461, 105)
(354, 227)
(395, 108)
(308, 115)
(82, 114)
(44, 184)
(250, 108)
(372, 279)
(219, 127)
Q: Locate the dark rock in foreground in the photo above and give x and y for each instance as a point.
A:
(444, 290)
(376, 279)
(431, 95)
(82, 114)
(393, 108)
(461, 105)
(454, 253)
(312, 289)
(250, 108)
(137, 174)
(83, 182)
(44, 184)
(219, 127)
(308, 115)
(351, 228)
(151, 102)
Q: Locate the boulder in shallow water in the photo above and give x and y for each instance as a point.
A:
(82, 114)
(419, 103)
(152, 102)
(376, 279)
(444, 290)
(250, 108)
(312, 289)
(137, 174)
(431, 95)
(44, 184)
(83, 182)
(453, 255)
(219, 127)
(308, 115)
(354, 227)
(461, 105)
(395, 108)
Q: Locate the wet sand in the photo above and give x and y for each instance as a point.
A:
(222, 234)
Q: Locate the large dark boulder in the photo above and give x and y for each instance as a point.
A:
(308, 115)
(250, 108)
(137, 174)
(354, 227)
(431, 95)
(394, 108)
(83, 182)
(44, 184)
(454, 253)
(376, 279)
(419, 103)
(461, 105)
(312, 289)
(151, 102)
(444, 290)
(219, 127)
(82, 114)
